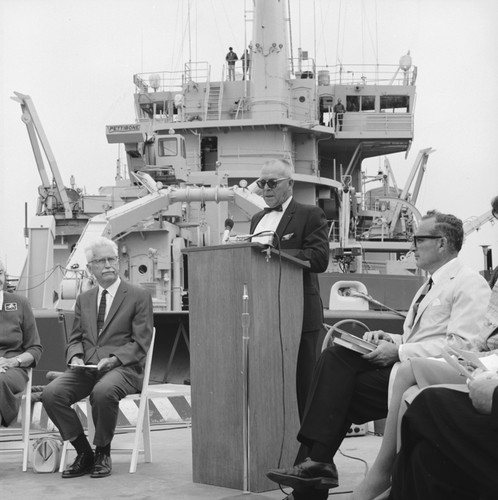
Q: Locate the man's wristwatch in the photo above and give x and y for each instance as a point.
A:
(19, 360)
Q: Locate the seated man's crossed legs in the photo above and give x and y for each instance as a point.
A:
(345, 389)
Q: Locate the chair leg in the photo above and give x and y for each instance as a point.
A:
(146, 436)
(62, 465)
(26, 424)
(143, 412)
(26, 420)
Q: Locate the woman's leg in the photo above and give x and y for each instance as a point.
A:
(378, 478)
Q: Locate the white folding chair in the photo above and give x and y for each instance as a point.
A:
(25, 423)
(142, 427)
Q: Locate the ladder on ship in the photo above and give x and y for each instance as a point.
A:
(214, 100)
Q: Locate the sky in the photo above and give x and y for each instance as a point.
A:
(77, 58)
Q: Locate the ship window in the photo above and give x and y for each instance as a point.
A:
(367, 103)
(394, 103)
(168, 146)
(360, 103)
(352, 103)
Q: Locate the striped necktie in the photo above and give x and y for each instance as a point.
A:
(101, 314)
(421, 297)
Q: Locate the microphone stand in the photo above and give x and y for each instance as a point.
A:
(246, 492)
(245, 388)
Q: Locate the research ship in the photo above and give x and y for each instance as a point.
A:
(193, 154)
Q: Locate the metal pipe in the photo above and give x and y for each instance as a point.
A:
(245, 388)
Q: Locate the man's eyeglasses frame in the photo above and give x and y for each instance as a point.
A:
(425, 237)
(102, 262)
(272, 183)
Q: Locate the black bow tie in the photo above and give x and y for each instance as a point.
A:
(278, 208)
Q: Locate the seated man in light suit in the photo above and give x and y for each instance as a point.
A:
(112, 329)
(301, 231)
(348, 387)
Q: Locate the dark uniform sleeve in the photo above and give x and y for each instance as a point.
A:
(315, 247)
(31, 338)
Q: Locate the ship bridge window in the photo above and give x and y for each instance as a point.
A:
(394, 103)
(168, 146)
(365, 103)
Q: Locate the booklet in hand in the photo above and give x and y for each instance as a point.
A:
(352, 342)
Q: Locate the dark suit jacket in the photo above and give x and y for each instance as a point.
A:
(126, 333)
(303, 233)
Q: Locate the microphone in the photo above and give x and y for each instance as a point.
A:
(263, 237)
(226, 233)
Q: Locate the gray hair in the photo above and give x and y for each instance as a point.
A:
(100, 242)
(289, 169)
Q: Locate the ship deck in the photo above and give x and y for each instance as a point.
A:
(169, 475)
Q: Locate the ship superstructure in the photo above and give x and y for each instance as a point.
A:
(197, 146)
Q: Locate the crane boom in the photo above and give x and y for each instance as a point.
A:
(37, 137)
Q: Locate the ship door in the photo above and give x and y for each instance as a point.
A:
(209, 153)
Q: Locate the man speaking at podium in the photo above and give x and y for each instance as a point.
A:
(301, 231)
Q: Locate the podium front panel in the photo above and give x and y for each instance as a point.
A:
(275, 304)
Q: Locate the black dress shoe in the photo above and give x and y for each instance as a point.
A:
(308, 494)
(307, 474)
(81, 466)
(102, 466)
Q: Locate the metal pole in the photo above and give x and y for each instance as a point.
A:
(245, 389)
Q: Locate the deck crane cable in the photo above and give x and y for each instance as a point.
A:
(340, 43)
(314, 30)
(189, 33)
(48, 274)
(366, 28)
(323, 18)
(233, 35)
(179, 52)
(290, 37)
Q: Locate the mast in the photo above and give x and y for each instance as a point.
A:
(270, 60)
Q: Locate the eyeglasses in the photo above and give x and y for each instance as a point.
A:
(102, 262)
(271, 183)
(420, 237)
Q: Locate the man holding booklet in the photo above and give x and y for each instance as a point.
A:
(350, 387)
(449, 434)
(106, 353)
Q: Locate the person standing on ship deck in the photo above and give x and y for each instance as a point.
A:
(301, 231)
(348, 387)
(339, 111)
(230, 58)
(246, 64)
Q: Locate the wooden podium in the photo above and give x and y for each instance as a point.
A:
(216, 278)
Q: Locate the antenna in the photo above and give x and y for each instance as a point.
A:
(189, 34)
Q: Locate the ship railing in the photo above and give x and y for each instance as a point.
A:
(303, 68)
(172, 81)
(358, 74)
